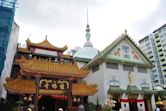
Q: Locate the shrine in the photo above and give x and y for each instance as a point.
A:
(46, 79)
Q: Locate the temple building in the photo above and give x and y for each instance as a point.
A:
(121, 72)
(45, 77)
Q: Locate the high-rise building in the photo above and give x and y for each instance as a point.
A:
(11, 50)
(8, 40)
(154, 46)
(7, 10)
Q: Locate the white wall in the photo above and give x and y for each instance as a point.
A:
(11, 49)
(97, 78)
(104, 75)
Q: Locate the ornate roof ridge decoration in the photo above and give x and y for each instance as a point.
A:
(101, 55)
(46, 45)
(21, 86)
(45, 68)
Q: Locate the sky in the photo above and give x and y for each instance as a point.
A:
(64, 21)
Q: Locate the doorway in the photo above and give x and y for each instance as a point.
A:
(50, 103)
(133, 106)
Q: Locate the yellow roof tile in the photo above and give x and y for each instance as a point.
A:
(46, 45)
(84, 89)
(66, 56)
(20, 86)
(44, 68)
(23, 50)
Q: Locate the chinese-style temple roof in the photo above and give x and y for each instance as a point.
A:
(25, 50)
(45, 68)
(84, 89)
(66, 56)
(21, 86)
(45, 45)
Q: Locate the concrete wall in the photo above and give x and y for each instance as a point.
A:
(104, 75)
(11, 49)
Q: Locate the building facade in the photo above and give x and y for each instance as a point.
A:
(154, 46)
(11, 51)
(46, 78)
(7, 10)
(121, 72)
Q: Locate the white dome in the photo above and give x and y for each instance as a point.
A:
(86, 52)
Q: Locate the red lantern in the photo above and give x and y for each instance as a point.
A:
(39, 97)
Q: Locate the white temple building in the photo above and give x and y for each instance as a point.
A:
(121, 72)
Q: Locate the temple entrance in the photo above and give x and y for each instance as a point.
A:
(52, 103)
(133, 106)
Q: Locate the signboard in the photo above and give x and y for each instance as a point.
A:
(45, 52)
(54, 84)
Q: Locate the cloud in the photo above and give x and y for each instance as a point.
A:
(54, 14)
(153, 21)
(64, 21)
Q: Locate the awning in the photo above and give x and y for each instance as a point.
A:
(146, 90)
(115, 90)
(133, 90)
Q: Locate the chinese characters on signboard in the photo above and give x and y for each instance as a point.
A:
(54, 84)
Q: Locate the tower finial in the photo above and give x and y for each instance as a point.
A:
(125, 32)
(46, 37)
(88, 43)
(87, 17)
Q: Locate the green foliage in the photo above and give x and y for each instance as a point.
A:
(9, 106)
(106, 108)
(90, 107)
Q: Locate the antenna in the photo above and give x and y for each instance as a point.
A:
(87, 17)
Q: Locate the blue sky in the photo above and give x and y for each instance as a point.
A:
(64, 21)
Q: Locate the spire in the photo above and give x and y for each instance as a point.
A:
(46, 37)
(87, 29)
(88, 43)
(125, 32)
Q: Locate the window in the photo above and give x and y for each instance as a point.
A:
(142, 69)
(95, 68)
(128, 68)
(111, 65)
(146, 39)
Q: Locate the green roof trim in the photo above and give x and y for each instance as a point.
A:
(112, 57)
(82, 59)
(115, 90)
(133, 90)
(146, 90)
(103, 54)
